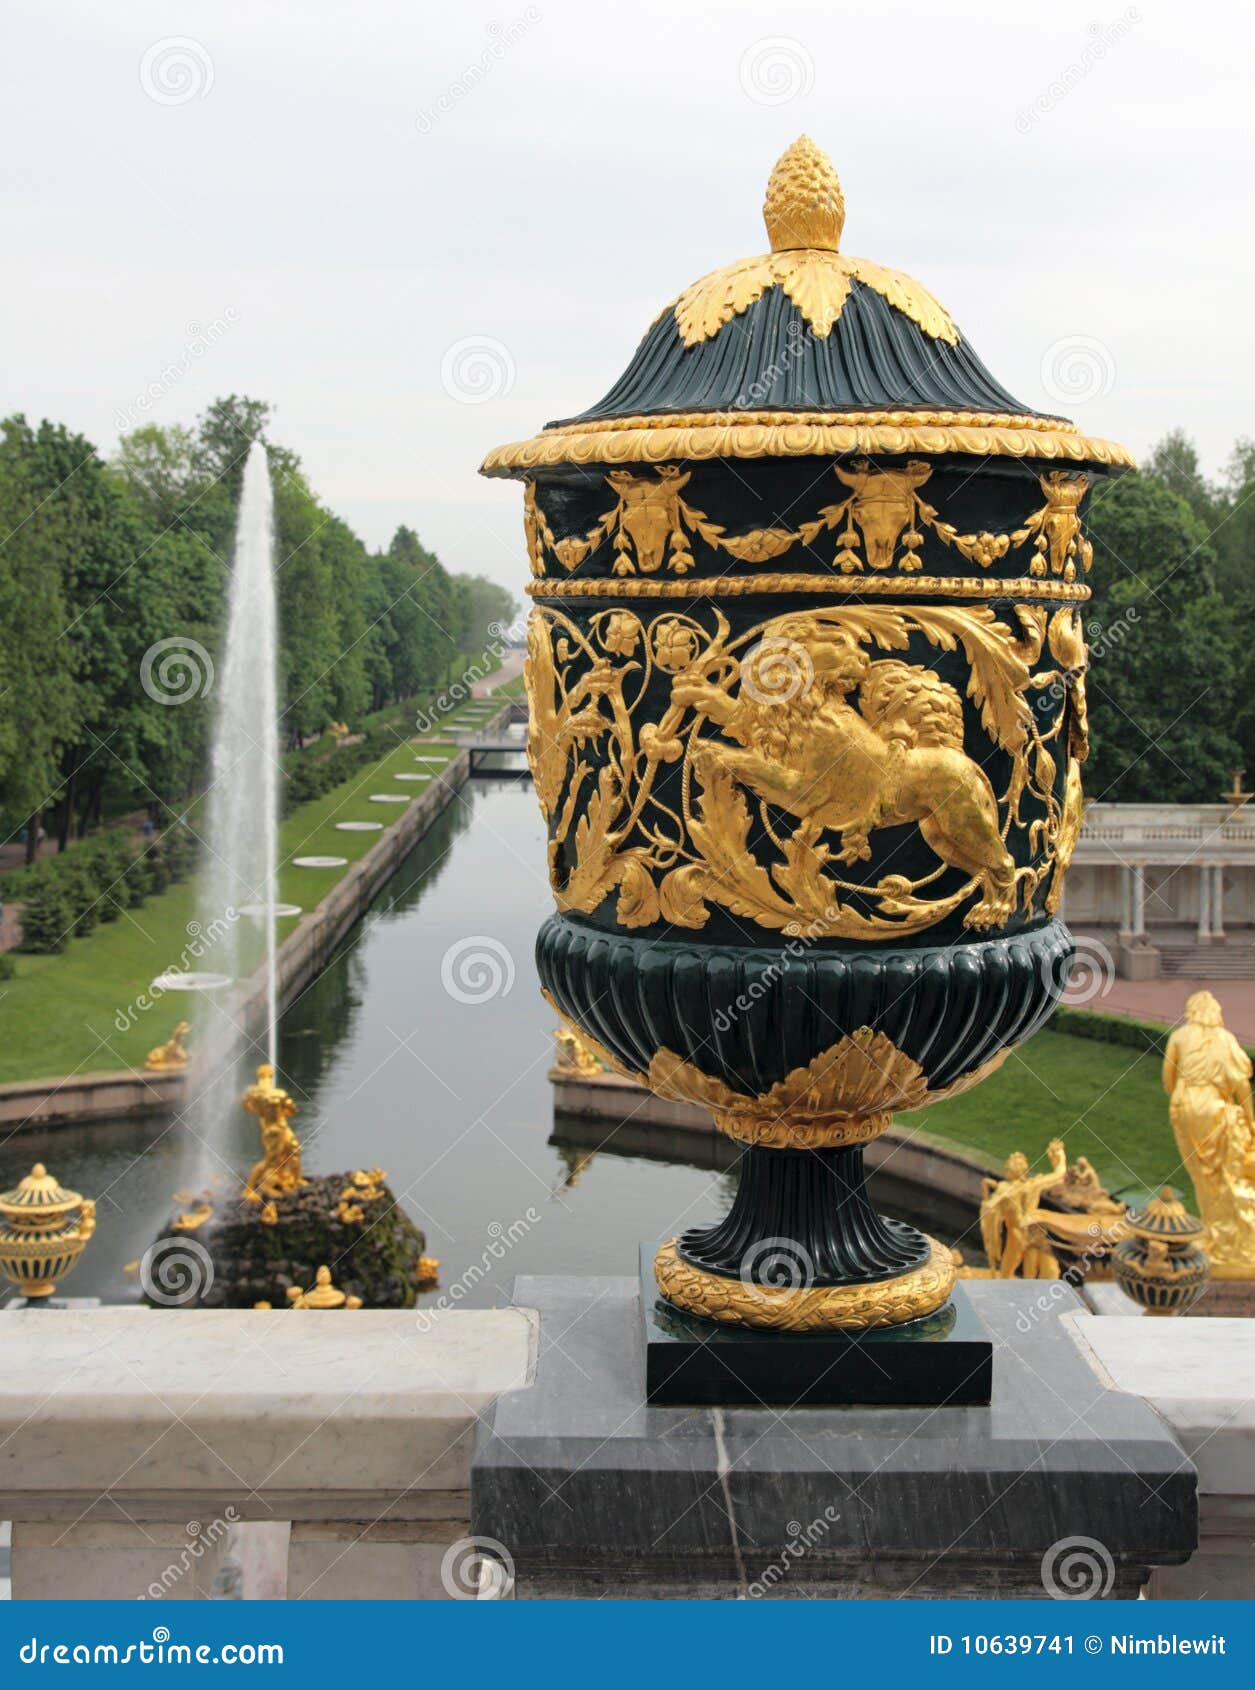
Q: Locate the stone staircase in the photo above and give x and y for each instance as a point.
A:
(1234, 960)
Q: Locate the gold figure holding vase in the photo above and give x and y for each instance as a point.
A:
(1207, 1076)
(279, 1169)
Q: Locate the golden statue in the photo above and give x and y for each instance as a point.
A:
(279, 1169)
(575, 1057)
(171, 1057)
(321, 1295)
(1207, 1076)
(892, 755)
(1011, 1223)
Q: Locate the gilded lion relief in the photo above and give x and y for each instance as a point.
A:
(880, 525)
(793, 744)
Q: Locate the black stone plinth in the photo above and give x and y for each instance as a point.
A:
(597, 1493)
(945, 1357)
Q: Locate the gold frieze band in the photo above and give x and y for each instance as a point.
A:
(859, 586)
(806, 1308)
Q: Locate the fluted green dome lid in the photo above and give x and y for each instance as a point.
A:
(803, 350)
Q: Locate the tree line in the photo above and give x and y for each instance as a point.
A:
(101, 562)
(1172, 672)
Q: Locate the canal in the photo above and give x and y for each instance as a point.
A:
(424, 1048)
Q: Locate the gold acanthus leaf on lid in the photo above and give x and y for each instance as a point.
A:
(804, 212)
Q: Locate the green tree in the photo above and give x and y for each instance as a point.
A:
(1162, 661)
(36, 662)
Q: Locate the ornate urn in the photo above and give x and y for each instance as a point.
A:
(1163, 1265)
(43, 1231)
(807, 717)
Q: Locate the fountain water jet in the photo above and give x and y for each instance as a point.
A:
(240, 871)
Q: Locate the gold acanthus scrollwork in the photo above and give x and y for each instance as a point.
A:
(796, 727)
(881, 525)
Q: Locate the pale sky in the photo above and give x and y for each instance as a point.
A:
(372, 214)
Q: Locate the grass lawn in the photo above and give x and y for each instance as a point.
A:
(1104, 1100)
(61, 1014)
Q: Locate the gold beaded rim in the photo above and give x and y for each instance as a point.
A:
(711, 434)
(859, 586)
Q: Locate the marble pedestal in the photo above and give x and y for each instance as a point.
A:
(594, 1493)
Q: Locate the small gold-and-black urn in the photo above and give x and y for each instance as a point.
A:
(43, 1231)
(1163, 1265)
(807, 716)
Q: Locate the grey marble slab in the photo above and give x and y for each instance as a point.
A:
(595, 1492)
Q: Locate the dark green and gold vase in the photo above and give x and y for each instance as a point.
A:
(807, 715)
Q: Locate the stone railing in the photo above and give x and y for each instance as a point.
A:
(175, 1453)
(149, 1454)
(1177, 832)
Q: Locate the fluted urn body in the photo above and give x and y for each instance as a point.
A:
(806, 688)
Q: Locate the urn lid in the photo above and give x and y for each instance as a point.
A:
(803, 351)
(1165, 1217)
(38, 1195)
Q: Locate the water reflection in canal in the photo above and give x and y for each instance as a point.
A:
(434, 1070)
(424, 1048)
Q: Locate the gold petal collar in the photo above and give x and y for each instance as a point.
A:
(804, 212)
